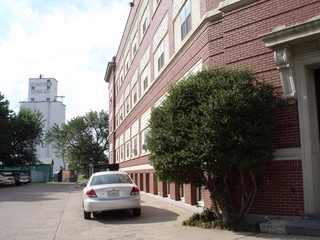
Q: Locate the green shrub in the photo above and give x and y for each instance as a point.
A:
(205, 219)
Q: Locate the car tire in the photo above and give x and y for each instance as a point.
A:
(136, 212)
(18, 183)
(86, 215)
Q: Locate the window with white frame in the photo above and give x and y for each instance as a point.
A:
(185, 19)
(134, 46)
(127, 63)
(121, 153)
(145, 78)
(134, 94)
(117, 120)
(110, 157)
(144, 146)
(160, 55)
(155, 5)
(127, 150)
(134, 150)
(117, 155)
(127, 105)
(144, 21)
(117, 87)
(110, 126)
(121, 114)
(110, 95)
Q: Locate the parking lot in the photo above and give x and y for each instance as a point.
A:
(54, 211)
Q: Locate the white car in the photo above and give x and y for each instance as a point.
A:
(110, 190)
(7, 179)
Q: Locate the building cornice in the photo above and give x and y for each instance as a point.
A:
(282, 40)
(293, 35)
(109, 71)
(230, 5)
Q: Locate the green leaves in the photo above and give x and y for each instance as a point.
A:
(219, 117)
(212, 124)
(20, 134)
(81, 141)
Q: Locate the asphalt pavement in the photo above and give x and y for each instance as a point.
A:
(54, 211)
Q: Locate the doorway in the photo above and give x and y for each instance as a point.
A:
(317, 85)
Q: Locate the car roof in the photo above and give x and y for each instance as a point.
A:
(108, 172)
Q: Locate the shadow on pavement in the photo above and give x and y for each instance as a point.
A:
(149, 214)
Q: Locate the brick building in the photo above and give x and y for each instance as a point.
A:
(165, 40)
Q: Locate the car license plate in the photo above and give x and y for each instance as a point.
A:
(113, 193)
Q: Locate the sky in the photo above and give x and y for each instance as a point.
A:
(69, 40)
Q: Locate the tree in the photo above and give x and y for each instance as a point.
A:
(213, 127)
(82, 141)
(5, 133)
(20, 133)
(26, 129)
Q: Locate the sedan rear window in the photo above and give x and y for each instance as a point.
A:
(110, 179)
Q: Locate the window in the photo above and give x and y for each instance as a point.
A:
(110, 157)
(117, 87)
(185, 20)
(127, 150)
(144, 146)
(134, 46)
(117, 155)
(117, 120)
(121, 114)
(155, 5)
(127, 105)
(121, 153)
(127, 64)
(134, 151)
(145, 20)
(144, 79)
(110, 98)
(161, 55)
(110, 126)
(135, 94)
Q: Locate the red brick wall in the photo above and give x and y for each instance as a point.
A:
(175, 191)
(190, 195)
(153, 184)
(280, 190)
(235, 40)
(162, 189)
(287, 132)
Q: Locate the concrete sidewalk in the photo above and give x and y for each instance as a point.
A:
(151, 199)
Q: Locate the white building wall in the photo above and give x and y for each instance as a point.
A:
(54, 112)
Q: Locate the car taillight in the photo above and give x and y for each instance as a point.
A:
(134, 191)
(91, 193)
(10, 178)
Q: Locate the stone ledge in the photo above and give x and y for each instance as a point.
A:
(277, 226)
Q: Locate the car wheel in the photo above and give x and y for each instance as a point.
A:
(136, 212)
(18, 183)
(86, 215)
